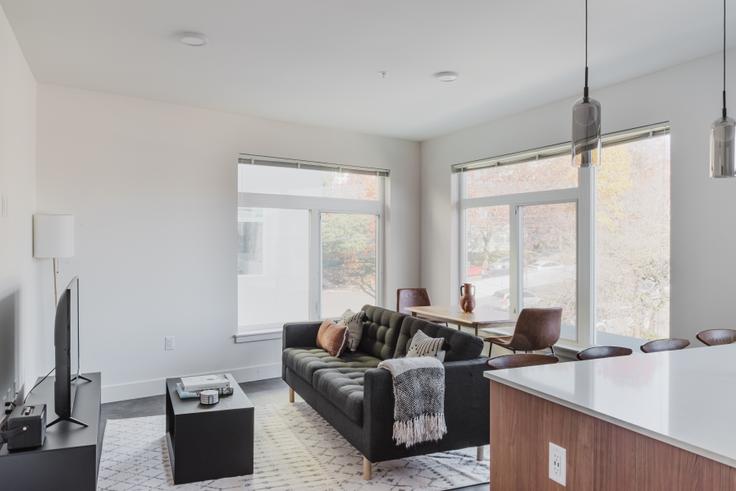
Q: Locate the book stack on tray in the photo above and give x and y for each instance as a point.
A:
(190, 387)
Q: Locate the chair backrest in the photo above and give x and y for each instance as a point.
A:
(714, 337)
(671, 344)
(458, 345)
(536, 329)
(603, 352)
(411, 297)
(520, 360)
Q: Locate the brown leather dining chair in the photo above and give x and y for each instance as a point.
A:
(520, 360)
(536, 329)
(670, 344)
(597, 352)
(715, 337)
(411, 297)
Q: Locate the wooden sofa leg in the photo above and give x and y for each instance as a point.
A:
(291, 395)
(480, 453)
(367, 469)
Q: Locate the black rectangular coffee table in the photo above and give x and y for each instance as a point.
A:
(209, 442)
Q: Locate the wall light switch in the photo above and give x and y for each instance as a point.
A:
(557, 463)
(169, 343)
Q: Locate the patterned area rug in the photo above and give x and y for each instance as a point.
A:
(294, 449)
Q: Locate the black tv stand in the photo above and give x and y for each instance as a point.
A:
(71, 420)
(71, 454)
(81, 377)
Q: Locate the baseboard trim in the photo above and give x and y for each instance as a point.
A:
(154, 387)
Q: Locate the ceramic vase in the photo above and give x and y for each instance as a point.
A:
(467, 297)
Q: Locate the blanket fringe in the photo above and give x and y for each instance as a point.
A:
(423, 428)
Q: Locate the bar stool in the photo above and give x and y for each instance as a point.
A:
(670, 344)
(603, 352)
(715, 337)
(520, 360)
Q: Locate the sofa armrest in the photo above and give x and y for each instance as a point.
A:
(467, 404)
(300, 335)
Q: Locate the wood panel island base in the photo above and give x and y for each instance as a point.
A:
(660, 421)
(600, 455)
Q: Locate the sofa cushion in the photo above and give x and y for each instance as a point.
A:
(332, 338)
(380, 331)
(343, 387)
(305, 361)
(458, 345)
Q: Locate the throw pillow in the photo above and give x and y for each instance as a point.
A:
(354, 322)
(332, 337)
(423, 345)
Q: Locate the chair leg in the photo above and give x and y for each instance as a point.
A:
(480, 453)
(552, 349)
(291, 395)
(367, 469)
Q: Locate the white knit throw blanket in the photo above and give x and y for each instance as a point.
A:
(419, 399)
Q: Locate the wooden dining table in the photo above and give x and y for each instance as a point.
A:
(481, 317)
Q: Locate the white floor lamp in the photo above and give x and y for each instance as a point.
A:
(53, 237)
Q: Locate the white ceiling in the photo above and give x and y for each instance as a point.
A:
(317, 61)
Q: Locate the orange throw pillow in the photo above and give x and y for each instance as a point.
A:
(332, 337)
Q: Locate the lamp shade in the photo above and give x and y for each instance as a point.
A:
(53, 235)
(586, 133)
(723, 148)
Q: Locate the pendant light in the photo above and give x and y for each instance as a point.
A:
(586, 121)
(723, 130)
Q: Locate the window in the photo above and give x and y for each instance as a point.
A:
(309, 240)
(537, 232)
(549, 260)
(348, 261)
(632, 225)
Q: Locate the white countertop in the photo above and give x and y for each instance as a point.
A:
(684, 398)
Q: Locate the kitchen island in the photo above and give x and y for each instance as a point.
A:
(645, 421)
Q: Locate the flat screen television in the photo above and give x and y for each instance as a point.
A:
(66, 350)
(8, 320)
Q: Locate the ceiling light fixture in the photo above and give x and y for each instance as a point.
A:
(192, 38)
(723, 130)
(586, 121)
(446, 76)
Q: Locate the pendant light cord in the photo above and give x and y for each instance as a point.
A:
(724, 58)
(585, 89)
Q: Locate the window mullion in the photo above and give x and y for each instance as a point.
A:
(516, 280)
(315, 265)
(586, 258)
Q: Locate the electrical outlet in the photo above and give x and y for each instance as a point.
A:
(557, 463)
(169, 343)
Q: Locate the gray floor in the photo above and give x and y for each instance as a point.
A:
(259, 392)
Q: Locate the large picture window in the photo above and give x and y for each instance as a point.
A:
(537, 232)
(309, 240)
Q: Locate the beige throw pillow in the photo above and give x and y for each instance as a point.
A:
(354, 322)
(423, 345)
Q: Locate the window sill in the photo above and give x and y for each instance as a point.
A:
(254, 335)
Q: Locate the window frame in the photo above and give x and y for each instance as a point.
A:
(584, 195)
(315, 206)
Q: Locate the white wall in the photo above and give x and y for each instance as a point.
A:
(18, 269)
(703, 217)
(153, 189)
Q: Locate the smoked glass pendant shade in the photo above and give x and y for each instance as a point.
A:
(722, 142)
(586, 133)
